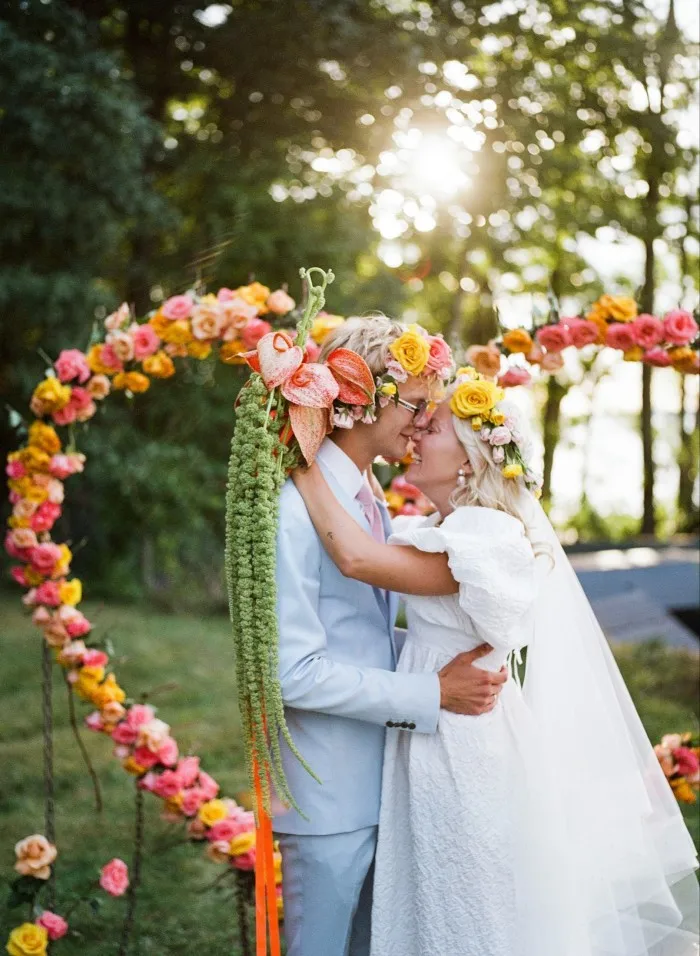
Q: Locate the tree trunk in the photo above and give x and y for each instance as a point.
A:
(551, 430)
(648, 525)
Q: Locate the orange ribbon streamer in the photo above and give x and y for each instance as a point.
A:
(265, 888)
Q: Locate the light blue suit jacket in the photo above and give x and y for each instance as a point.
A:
(337, 662)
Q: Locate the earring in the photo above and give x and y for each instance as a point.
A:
(461, 478)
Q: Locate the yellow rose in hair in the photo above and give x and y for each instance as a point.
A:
(28, 940)
(323, 325)
(518, 340)
(44, 437)
(475, 398)
(411, 350)
(389, 389)
(512, 471)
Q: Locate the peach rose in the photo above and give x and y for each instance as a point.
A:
(99, 387)
(122, 345)
(117, 319)
(153, 734)
(114, 877)
(34, 856)
(280, 303)
(206, 321)
(486, 359)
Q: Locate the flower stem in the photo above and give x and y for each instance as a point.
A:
(135, 873)
(83, 749)
(47, 731)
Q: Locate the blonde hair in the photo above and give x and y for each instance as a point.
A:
(487, 487)
(368, 335)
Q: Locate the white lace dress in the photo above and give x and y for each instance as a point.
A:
(448, 879)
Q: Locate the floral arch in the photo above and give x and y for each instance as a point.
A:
(129, 356)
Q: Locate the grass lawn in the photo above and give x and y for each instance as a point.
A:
(187, 662)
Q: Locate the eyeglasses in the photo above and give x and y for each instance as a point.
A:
(418, 411)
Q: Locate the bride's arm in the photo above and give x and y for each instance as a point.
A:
(356, 553)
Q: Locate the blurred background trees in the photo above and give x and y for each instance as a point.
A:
(447, 159)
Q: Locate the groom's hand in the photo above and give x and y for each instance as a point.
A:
(466, 689)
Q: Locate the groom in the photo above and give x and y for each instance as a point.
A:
(337, 670)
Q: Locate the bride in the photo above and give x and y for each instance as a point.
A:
(544, 827)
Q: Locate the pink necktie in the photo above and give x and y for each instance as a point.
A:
(371, 509)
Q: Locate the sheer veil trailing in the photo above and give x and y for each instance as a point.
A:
(629, 859)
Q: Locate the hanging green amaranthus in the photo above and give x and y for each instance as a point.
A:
(258, 467)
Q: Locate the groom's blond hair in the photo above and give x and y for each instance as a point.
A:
(368, 335)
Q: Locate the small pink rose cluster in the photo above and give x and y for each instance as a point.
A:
(679, 757)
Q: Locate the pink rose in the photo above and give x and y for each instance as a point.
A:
(145, 757)
(280, 303)
(440, 354)
(551, 362)
(514, 376)
(168, 785)
(146, 341)
(191, 800)
(209, 786)
(70, 364)
(648, 330)
(582, 332)
(18, 575)
(254, 331)
(99, 386)
(207, 321)
(45, 516)
(117, 319)
(688, 764)
(41, 617)
(621, 336)
(15, 469)
(94, 658)
(225, 295)
(244, 861)
(167, 752)
(75, 622)
(62, 466)
(140, 714)
(110, 358)
(680, 327)
(312, 351)
(409, 509)
(124, 735)
(500, 436)
(188, 768)
(121, 344)
(54, 925)
(240, 821)
(94, 721)
(554, 338)
(177, 307)
(148, 781)
(45, 557)
(48, 592)
(114, 877)
(66, 415)
(405, 488)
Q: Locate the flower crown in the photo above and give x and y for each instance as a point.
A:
(477, 398)
(415, 352)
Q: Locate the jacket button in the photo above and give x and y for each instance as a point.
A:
(404, 724)
(390, 723)
(411, 726)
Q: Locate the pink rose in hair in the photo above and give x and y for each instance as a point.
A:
(680, 327)
(145, 339)
(515, 376)
(621, 336)
(177, 307)
(554, 338)
(70, 364)
(582, 332)
(114, 877)
(54, 925)
(440, 354)
(254, 331)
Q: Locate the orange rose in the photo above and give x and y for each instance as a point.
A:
(159, 365)
(518, 340)
(684, 360)
(132, 381)
(486, 359)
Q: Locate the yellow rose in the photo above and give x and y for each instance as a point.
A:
(635, 354)
(212, 812)
(63, 563)
(34, 458)
(323, 325)
(178, 332)
(51, 395)
(512, 471)
(411, 350)
(88, 682)
(71, 592)
(242, 843)
(14, 521)
(498, 418)
(132, 766)
(133, 381)
(28, 940)
(95, 363)
(684, 359)
(108, 692)
(477, 422)
(518, 340)
(621, 308)
(255, 294)
(475, 398)
(199, 350)
(159, 323)
(230, 353)
(467, 370)
(388, 389)
(394, 500)
(159, 365)
(683, 791)
(44, 437)
(36, 494)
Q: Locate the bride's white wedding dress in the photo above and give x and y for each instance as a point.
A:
(502, 835)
